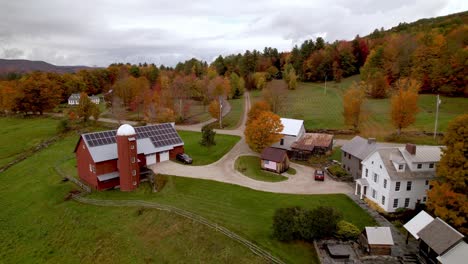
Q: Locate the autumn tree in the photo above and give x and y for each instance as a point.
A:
(8, 95)
(237, 85)
(275, 94)
(263, 131)
(118, 109)
(404, 103)
(448, 197)
(256, 109)
(353, 99)
(85, 107)
(214, 109)
(260, 80)
(37, 94)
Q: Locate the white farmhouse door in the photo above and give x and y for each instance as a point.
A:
(151, 159)
(163, 156)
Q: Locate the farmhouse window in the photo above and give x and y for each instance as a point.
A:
(419, 166)
(367, 172)
(407, 200)
(134, 183)
(385, 183)
(374, 193)
(427, 182)
(133, 159)
(133, 172)
(376, 177)
(383, 200)
(132, 146)
(431, 165)
(395, 203)
(397, 186)
(90, 167)
(83, 146)
(282, 142)
(400, 167)
(408, 185)
(424, 199)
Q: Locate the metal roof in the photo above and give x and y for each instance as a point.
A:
(387, 154)
(150, 139)
(362, 181)
(379, 235)
(440, 236)
(108, 176)
(423, 154)
(458, 254)
(291, 126)
(417, 223)
(311, 140)
(360, 147)
(274, 154)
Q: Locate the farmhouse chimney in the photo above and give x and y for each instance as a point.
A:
(371, 141)
(127, 160)
(411, 148)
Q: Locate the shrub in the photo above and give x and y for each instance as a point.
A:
(63, 126)
(208, 136)
(338, 171)
(347, 231)
(285, 223)
(324, 220)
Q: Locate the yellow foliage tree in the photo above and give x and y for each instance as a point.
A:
(353, 99)
(214, 110)
(263, 131)
(404, 103)
(448, 197)
(256, 109)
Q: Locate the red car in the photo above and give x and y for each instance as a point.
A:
(319, 175)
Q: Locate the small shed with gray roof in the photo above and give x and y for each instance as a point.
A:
(377, 240)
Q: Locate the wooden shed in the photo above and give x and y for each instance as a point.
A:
(377, 240)
(274, 159)
(311, 144)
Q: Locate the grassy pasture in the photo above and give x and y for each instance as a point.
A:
(18, 135)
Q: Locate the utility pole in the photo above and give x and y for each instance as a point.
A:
(437, 116)
(220, 111)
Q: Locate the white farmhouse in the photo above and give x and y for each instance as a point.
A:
(398, 176)
(293, 130)
(74, 99)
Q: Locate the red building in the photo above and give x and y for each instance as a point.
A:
(115, 158)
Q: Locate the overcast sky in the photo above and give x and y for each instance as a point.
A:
(100, 32)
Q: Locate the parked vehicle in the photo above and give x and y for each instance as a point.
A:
(319, 175)
(184, 158)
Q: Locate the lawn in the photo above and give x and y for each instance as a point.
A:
(247, 212)
(38, 226)
(250, 167)
(205, 155)
(21, 134)
(324, 110)
(234, 118)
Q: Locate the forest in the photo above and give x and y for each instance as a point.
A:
(431, 51)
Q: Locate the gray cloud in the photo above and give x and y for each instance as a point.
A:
(165, 32)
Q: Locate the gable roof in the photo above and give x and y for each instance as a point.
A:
(423, 154)
(292, 127)
(379, 235)
(417, 223)
(150, 139)
(310, 140)
(74, 96)
(360, 147)
(458, 254)
(273, 154)
(440, 236)
(393, 153)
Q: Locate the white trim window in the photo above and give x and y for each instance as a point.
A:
(132, 146)
(407, 201)
(397, 186)
(395, 203)
(376, 177)
(133, 159)
(374, 193)
(385, 183)
(408, 185)
(383, 200)
(134, 172)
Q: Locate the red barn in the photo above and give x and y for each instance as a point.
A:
(114, 158)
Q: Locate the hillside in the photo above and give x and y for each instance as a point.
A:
(25, 66)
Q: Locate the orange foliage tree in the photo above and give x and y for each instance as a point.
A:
(448, 196)
(353, 99)
(404, 103)
(8, 95)
(263, 131)
(214, 110)
(256, 109)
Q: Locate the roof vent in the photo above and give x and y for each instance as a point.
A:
(411, 148)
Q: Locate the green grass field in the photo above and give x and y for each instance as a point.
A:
(205, 155)
(234, 118)
(38, 226)
(18, 135)
(324, 110)
(250, 167)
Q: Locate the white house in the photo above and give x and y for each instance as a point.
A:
(74, 99)
(293, 130)
(398, 177)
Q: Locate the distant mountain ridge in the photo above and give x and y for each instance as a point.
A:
(25, 66)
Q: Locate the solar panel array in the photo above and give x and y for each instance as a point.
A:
(160, 135)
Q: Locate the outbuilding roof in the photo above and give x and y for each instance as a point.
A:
(440, 236)
(379, 235)
(291, 127)
(360, 147)
(458, 254)
(150, 139)
(274, 154)
(417, 223)
(311, 140)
